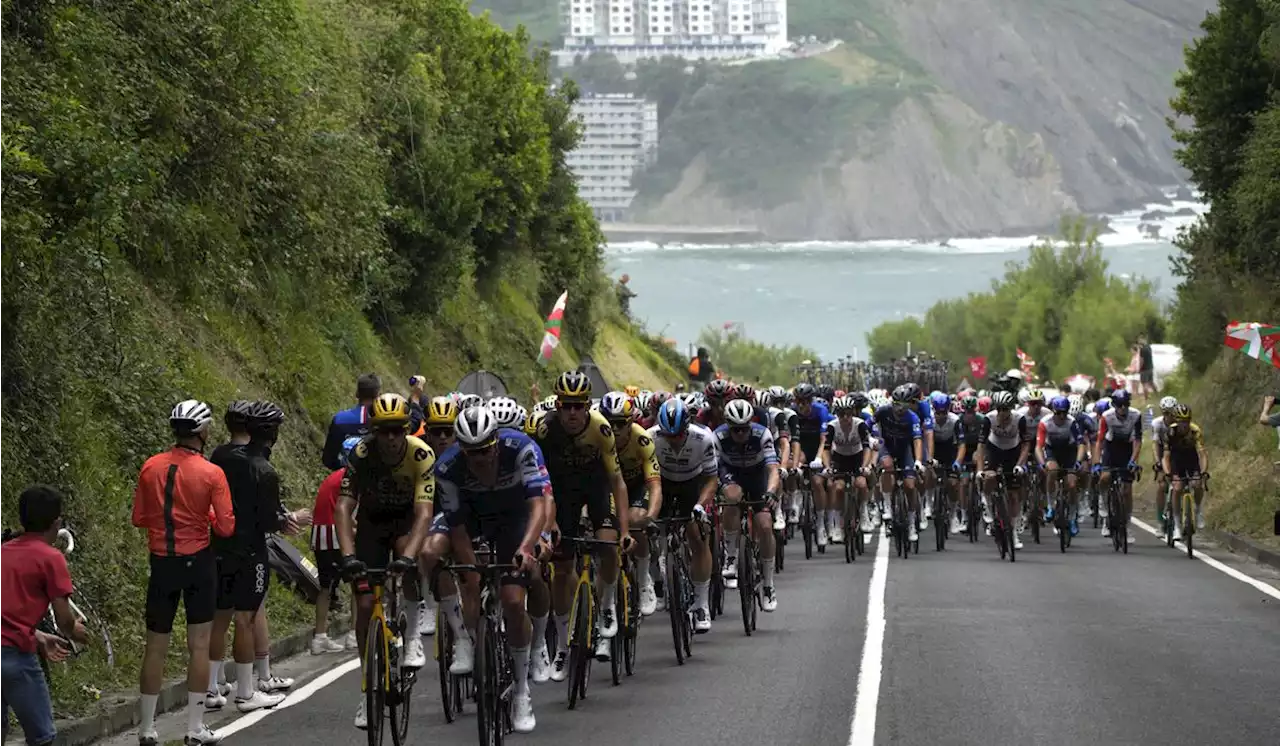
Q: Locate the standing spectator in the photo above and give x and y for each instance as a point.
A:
(625, 294)
(1146, 368)
(179, 493)
(324, 542)
(354, 421)
(1267, 419)
(34, 577)
(701, 369)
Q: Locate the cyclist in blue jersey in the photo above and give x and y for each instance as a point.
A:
(493, 483)
(924, 410)
(812, 419)
(901, 437)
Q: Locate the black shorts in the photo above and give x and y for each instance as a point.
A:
(850, 464)
(754, 480)
(503, 532)
(329, 568)
(945, 452)
(1001, 459)
(638, 494)
(1064, 456)
(601, 513)
(192, 579)
(242, 581)
(1116, 455)
(1147, 376)
(1185, 465)
(678, 498)
(376, 540)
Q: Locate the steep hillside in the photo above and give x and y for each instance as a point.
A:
(932, 118)
(264, 200)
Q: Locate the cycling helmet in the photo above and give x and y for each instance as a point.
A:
(903, 394)
(803, 391)
(1181, 413)
(536, 425)
(913, 391)
(642, 401)
(764, 398)
(1060, 404)
(1024, 395)
(825, 392)
(466, 401)
(390, 409)
(657, 400)
(632, 391)
(1013, 373)
(957, 405)
(1035, 395)
(860, 400)
(673, 417)
(940, 401)
(190, 417)
(1102, 405)
(476, 427)
(969, 403)
(1077, 404)
(718, 389)
(506, 411)
(547, 404)
(573, 386)
(265, 415)
(1167, 404)
(237, 416)
(982, 392)
(1002, 400)
(441, 410)
(746, 392)
(845, 404)
(1121, 398)
(984, 404)
(347, 445)
(616, 406)
(778, 393)
(739, 412)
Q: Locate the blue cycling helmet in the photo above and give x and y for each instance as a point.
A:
(673, 417)
(1121, 398)
(347, 445)
(1060, 404)
(940, 401)
(1103, 405)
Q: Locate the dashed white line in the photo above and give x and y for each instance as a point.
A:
(862, 730)
(302, 694)
(1270, 590)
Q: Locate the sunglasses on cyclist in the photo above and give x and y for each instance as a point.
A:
(572, 406)
(740, 429)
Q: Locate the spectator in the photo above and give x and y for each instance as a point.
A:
(179, 494)
(35, 577)
(349, 422)
(625, 294)
(324, 542)
(1146, 368)
(1266, 417)
(701, 369)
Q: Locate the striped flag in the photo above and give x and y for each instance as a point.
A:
(551, 335)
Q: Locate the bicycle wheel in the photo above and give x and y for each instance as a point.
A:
(616, 653)
(375, 681)
(715, 598)
(1188, 522)
(675, 606)
(746, 581)
(779, 542)
(631, 641)
(940, 521)
(400, 694)
(806, 523)
(444, 658)
(1167, 508)
(1064, 525)
(580, 651)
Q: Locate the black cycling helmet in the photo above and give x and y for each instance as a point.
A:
(826, 392)
(904, 395)
(237, 416)
(265, 414)
(860, 400)
(804, 391)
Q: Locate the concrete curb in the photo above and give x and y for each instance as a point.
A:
(1248, 547)
(123, 715)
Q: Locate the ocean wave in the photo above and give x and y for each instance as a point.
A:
(1126, 227)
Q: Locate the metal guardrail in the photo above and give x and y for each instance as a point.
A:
(861, 376)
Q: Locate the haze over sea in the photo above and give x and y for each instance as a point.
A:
(827, 295)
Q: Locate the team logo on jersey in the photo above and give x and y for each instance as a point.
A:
(644, 441)
(421, 454)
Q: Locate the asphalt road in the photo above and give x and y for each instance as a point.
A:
(1087, 647)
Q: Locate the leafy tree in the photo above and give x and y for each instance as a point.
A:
(745, 359)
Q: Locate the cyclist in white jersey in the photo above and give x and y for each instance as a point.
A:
(847, 450)
(1119, 444)
(1004, 447)
(688, 461)
(1158, 428)
(779, 425)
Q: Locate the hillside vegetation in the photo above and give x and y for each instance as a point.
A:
(245, 200)
(931, 119)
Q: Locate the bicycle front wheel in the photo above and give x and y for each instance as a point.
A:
(399, 694)
(746, 582)
(580, 651)
(375, 681)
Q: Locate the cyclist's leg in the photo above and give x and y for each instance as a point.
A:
(601, 510)
(638, 515)
(731, 523)
(886, 481)
(569, 524)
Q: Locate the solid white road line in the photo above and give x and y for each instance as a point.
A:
(301, 694)
(862, 730)
(1270, 590)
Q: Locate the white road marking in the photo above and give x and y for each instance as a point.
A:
(301, 694)
(862, 729)
(1270, 590)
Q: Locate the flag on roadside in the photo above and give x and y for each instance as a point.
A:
(1255, 340)
(978, 367)
(551, 333)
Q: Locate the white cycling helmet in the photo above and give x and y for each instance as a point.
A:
(1077, 404)
(1167, 404)
(466, 401)
(507, 411)
(475, 426)
(739, 412)
(1024, 395)
(190, 417)
(616, 405)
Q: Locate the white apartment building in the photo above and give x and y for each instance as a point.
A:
(634, 30)
(619, 135)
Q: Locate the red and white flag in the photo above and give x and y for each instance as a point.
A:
(978, 367)
(551, 335)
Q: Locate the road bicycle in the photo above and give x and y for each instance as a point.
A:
(899, 525)
(1002, 526)
(386, 682)
(582, 615)
(943, 509)
(679, 585)
(1186, 508)
(1117, 516)
(750, 582)
(1063, 508)
(854, 541)
(629, 618)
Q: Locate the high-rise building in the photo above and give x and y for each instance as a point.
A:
(692, 29)
(619, 136)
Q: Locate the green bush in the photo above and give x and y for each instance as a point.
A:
(1060, 307)
(744, 359)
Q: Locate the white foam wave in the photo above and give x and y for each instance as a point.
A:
(1126, 226)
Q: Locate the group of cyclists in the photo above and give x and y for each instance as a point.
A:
(528, 482)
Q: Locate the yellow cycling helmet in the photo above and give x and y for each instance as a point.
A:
(632, 391)
(441, 411)
(573, 386)
(390, 409)
(536, 425)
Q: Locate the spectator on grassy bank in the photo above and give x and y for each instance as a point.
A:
(354, 421)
